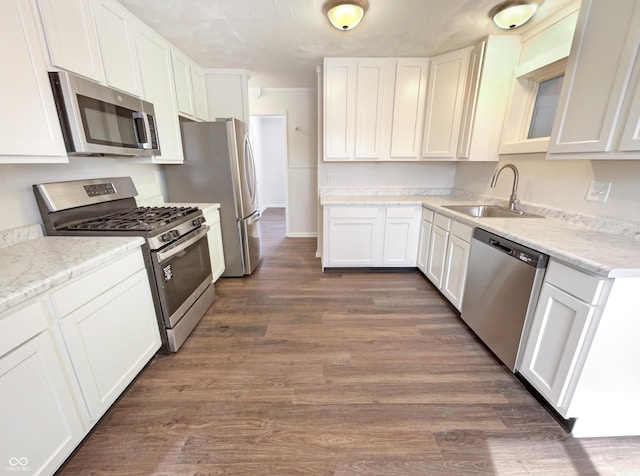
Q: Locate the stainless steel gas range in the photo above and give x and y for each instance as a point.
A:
(176, 252)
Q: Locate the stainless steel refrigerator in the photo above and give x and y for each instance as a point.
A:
(218, 168)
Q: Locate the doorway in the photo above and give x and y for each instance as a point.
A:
(268, 139)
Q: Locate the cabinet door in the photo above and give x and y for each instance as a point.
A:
(157, 80)
(199, 93)
(339, 108)
(603, 52)
(476, 60)
(29, 127)
(401, 236)
(110, 339)
(117, 43)
(408, 108)
(423, 247)
(445, 96)
(72, 38)
(555, 340)
(216, 252)
(228, 93)
(182, 78)
(437, 255)
(493, 63)
(355, 236)
(374, 102)
(40, 423)
(455, 270)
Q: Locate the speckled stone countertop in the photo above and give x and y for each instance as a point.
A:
(34, 266)
(596, 251)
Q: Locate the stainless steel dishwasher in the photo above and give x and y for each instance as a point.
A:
(502, 288)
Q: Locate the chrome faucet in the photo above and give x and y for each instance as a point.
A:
(513, 199)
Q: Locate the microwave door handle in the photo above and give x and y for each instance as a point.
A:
(143, 132)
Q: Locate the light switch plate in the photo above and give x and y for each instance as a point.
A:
(332, 178)
(598, 191)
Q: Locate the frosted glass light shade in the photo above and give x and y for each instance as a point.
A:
(345, 14)
(512, 14)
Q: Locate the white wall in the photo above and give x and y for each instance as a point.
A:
(560, 183)
(16, 195)
(422, 174)
(299, 107)
(267, 140)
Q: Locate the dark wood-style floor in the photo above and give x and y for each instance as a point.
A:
(295, 371)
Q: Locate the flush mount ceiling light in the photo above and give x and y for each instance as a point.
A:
(345, 14)
(512, 13)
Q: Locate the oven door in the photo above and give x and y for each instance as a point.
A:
(183, 272)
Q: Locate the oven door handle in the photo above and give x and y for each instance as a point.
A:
(178, 247)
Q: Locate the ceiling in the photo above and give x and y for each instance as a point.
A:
(281, 42)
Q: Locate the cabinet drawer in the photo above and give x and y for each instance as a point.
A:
(88, 286)
(427, 215)
(353, 212)
(401, 212)
(442, 221)
(17, 327)
(463, 232)
(584, 286)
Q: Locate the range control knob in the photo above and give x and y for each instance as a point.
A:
(197, 221)
(166, 237)
(175, 233)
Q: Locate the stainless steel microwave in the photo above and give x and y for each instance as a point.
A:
(100, 121)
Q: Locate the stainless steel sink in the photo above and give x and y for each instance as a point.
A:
(490, 211)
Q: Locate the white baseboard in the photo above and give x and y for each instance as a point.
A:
(303, 234)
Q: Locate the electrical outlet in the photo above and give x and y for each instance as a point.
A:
(598, 191)
(331, 179)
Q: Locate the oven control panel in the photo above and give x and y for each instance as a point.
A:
(98, 189)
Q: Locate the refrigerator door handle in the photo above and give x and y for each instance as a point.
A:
(254, 217)
(250, 169)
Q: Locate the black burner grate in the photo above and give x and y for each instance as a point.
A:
(137, 219)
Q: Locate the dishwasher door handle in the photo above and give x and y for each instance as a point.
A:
(500, 246)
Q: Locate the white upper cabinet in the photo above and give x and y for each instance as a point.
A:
(154, 54)
(358, 102)
(227, 93)
(339, 108)
(408, 107)
(182, 78)
(445, 96)
(199, 92)
(117, 42)
(72, 38)
(596, 88)
(191, 91)
(29, 128)
(374, 101)
(493, 62)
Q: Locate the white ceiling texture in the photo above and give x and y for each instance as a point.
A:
(281, 42)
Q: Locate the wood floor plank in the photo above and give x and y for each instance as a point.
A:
(298, 372)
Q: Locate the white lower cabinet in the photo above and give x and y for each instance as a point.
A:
(448, 255)
(41, 424)
(581, 352)
(370, 236)
(66, 356)
(425, 239)
(555, 339)
(401, 233)
(455, 271)
(108, 347)
(214, 239)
